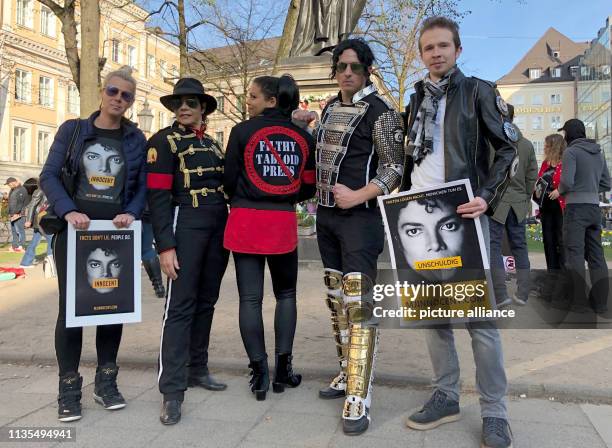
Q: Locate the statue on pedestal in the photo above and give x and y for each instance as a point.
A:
(322, 24)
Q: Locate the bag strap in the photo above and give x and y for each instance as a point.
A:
(73, 139)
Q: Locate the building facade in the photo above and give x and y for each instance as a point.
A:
(594, 85)
(37, 93)
(542, 87)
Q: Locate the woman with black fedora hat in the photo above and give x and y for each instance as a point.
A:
(188, 211)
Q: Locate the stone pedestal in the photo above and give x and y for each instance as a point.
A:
(312, 76)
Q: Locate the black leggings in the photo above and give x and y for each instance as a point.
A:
(250, 277)
(69, 341)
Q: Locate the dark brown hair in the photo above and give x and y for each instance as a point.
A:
(440, 22)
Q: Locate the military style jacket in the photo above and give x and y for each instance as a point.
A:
(184, 168)
(359, 143)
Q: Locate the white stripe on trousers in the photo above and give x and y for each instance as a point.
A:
(169, 296)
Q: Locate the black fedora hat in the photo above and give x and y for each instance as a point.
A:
(190, 86)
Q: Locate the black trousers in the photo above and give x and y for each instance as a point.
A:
(582, 241)
(250, 278)
(69, 341)
(350, 240)
(191, 299)
(552, 234)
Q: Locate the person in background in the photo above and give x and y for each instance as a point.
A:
(551, 211)
(38, 202)
(511, 215)
(17, 202)
(585, 174)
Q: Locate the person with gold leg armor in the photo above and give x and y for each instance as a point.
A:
(359, 157)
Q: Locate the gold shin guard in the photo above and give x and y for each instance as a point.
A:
(333, 281)
(357, 288)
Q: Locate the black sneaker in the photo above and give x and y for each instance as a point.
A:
(496, 433)
(105, 390)
(69, 398)
(438, 410)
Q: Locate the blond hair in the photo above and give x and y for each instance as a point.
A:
(557, 145)
(125, 73)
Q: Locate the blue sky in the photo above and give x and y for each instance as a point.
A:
(498, 33)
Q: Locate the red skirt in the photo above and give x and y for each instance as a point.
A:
(262, 232)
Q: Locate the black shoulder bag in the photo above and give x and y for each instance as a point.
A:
(48, 221)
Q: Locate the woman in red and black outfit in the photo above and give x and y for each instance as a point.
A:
(269, 167)
(551, 211)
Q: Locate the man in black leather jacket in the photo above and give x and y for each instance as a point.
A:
(451, 121)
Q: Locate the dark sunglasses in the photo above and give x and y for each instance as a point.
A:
(356, 67)
(176, 103)
(112, 91)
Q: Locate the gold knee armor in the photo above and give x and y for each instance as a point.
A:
(333, 281)
(357, 289)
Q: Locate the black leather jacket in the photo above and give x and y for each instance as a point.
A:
(472, 121)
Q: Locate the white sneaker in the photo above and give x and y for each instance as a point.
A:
(504, 303)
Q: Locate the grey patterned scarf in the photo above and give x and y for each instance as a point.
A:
(421, 135)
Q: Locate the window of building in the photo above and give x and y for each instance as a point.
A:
(605, 70)
(25, 12)
(555, 98)
(555, 122)
(538, 147)
(150, 66)
(20, 144)
(587, 98)
(535, 73)
(45, 91)
(73, 100)
(519, 121)
(240, 100)
(585, 71)
(44, 143)
(175, 72)
(162, 119)
(518, 100)
(537, 122)
(573, 70)
(219, 137)
(47, 21)
(23, 86)
(605, 96)
(556, 72)
(220, 103)
(131, 55)
(163, 66)
(537, 100)
(556, 54)
(115, 50)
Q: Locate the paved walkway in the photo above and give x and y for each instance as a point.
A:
(296, 418)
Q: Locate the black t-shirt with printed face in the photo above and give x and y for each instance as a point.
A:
(101, 175)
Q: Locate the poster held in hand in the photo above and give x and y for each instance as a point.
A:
(438, 256)
(103, 277)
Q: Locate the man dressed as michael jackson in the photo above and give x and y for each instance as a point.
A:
(359, 157)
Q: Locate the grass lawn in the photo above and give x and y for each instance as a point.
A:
(538, 246)
(13, 258)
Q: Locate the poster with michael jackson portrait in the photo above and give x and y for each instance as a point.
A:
(439, 259)
(103, 278)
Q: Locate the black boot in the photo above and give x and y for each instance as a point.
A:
(105, 390)
(170, 412)
(154, 272)
(284, 375)
(202, 377)
(69, 398)
(260, 378)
